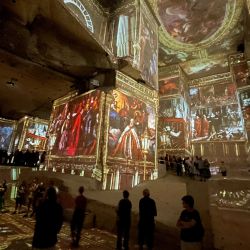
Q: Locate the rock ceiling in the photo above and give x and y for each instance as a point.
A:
(197, 34)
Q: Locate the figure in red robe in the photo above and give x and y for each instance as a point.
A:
(129, 144)
(197, 126)
(75, 131)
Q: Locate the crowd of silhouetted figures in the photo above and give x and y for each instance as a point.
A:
(22, 158)
(188, 166)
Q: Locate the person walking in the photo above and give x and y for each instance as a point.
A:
(78, 217)
(123, 221)
(49, 220)
(146, 226)
(190, 224)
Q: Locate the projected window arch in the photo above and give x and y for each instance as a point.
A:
(84, 12)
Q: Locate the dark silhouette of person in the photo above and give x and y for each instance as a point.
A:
(146, 226)
(78, 217)
(49, 220)
(190, 224)
(123, 221)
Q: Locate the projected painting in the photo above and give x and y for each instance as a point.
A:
(35, 138)
(212, 95)
(244, 97)
(6, 132)
(124, 33)
(130, 120)
(241, 73)
(173, 108)
(169, 86)
(149, 50)
(187, 22)
(172, 133)
(73, 129)
(221, 123)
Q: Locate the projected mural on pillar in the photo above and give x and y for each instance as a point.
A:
(74, 124)
(6, 132)
(149, 49)
(174, 108)
(216, 114)
(125, 33)
(130, 119)
(35, 137)
(172, 133)
(171, 86)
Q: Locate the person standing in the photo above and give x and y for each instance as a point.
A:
(146, 226)
(190, 224)
(123, 221)
(49, 220)
(78, 217)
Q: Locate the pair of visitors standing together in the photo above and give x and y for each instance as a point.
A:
(146, 225)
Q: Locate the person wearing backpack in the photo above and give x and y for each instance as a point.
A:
(192, 231)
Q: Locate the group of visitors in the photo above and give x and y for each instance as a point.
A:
(189, 166)
(189, 223)
(43, 202)
(31, 194)
(146, 225)
(22, 158)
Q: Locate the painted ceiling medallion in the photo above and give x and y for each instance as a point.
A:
(188, 25)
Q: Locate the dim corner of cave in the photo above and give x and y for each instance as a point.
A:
(130, 94)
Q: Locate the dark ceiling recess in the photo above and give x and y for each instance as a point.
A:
(241, 47)
(12, 82)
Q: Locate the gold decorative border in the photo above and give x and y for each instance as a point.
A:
(169, 71)
(132, 87)
(225, 77)
(232, 16)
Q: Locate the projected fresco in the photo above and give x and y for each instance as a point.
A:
(6, 132)
(213, 95)
(172, 133)
(169, 86)
(73, 128)
(241, 73)
(130, 120)
(35, 137)
(244, 97)
(125, 32)
(173, 108)
(217, 123)
(187, 21)
(149, 51)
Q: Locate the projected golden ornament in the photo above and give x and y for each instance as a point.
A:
(145, 140)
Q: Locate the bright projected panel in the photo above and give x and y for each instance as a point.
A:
(6, 132)
(169, 86)
(35, 138)
(173, 108)
(129, 121)
(73, 129)
(215, 113)
(172, 133)
(213, 95)
(149, 50)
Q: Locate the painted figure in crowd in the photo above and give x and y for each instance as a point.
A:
(129, 144)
